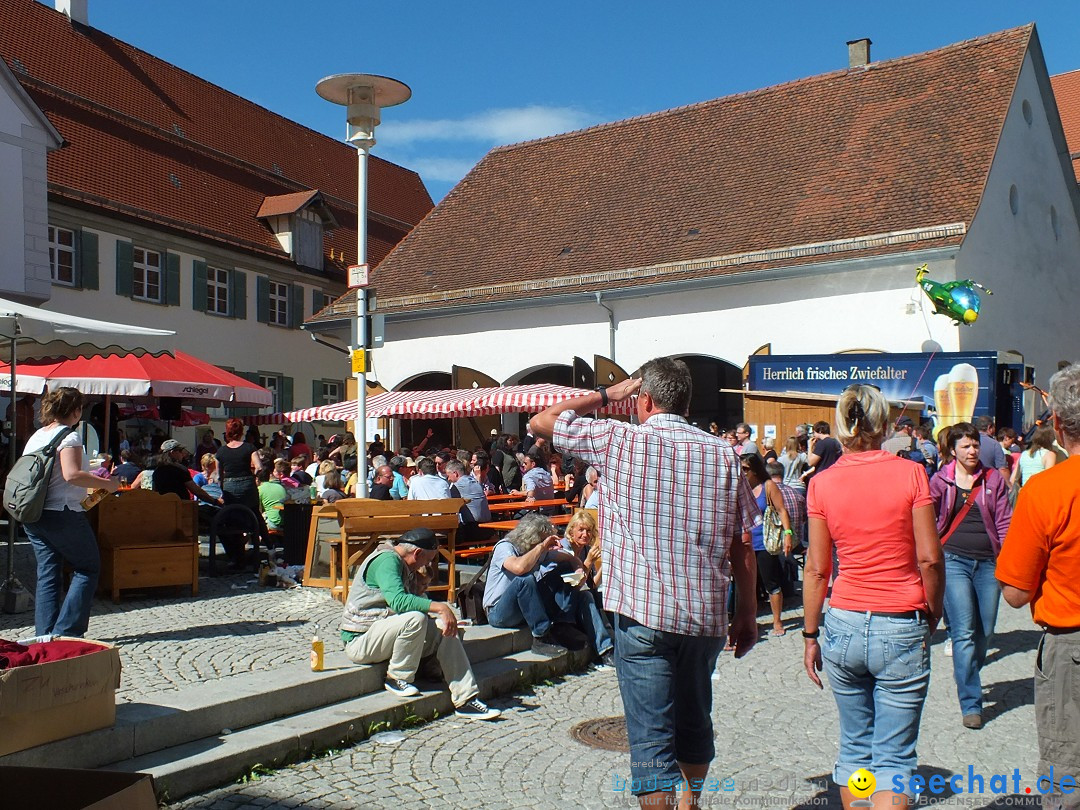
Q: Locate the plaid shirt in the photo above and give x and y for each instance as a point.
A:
(795, 503)
(671, 500)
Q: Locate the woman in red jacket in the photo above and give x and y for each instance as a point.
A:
(973, 514)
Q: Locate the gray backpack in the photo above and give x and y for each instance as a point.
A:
(28, 481)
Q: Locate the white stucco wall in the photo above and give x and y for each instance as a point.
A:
(1033, 271)
(24, 258)
(822, 309)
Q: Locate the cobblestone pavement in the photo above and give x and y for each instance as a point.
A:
(776, 733)
(776, 740)
(174, 640)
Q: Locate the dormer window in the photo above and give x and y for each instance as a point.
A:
(298, 221)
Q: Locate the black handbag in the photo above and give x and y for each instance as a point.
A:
(470, 596)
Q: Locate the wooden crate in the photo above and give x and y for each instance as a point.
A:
(147, 540)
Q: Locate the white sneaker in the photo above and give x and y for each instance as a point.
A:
(948, 647)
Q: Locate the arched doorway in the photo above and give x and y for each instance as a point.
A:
(707, 404)
(553, 374)
(411, 432)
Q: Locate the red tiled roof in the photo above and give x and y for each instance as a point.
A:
(902, 144)
(155, 143)
(285, 203)
(1067, 93)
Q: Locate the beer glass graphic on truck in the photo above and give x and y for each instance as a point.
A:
(942, 404)
(955, 394)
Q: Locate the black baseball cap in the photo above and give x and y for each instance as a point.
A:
(905, 421)
(421, 538)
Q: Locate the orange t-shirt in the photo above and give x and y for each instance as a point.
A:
(1041, 552)
(866, 500)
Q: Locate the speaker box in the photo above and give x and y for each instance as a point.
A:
(169, 408)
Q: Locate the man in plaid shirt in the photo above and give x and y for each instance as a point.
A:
(675, 517)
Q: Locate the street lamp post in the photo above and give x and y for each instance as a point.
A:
(363, 95)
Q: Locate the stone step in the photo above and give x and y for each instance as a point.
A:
(239, 701)
(219, 759)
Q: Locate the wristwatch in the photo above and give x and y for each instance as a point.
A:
(603, 395)
(814, 634)
(789, 531)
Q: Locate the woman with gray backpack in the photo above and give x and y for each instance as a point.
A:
(62, 534)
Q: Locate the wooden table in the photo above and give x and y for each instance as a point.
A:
(508, 525)
(516, 506)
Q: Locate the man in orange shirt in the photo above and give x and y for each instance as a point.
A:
(1039, 564)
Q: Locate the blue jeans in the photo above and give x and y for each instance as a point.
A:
(971, 600)
(666, 684)
(879, 670)
(63, 536)
(521, 603)
(539, 603)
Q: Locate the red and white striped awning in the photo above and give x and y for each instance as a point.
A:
(442, 404)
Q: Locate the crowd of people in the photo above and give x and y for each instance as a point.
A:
(902, 530)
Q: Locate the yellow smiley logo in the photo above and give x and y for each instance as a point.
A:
(862, 783)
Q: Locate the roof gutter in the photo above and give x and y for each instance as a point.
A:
(611, 325)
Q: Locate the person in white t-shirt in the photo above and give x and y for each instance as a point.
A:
(63, 534)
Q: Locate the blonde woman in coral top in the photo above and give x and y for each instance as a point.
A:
(875, 509)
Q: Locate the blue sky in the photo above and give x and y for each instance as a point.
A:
(488, 73)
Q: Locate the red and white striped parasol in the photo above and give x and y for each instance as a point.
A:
(443, 404)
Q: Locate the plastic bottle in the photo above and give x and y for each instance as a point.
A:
(317, 652)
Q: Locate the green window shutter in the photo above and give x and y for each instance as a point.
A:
(124, 268)
(262, 297)
(316, 393)
(238, 294)
(316, 300)
(296, 306)
(198, 286)
(286, 393)
(86, 250)
(172, 280)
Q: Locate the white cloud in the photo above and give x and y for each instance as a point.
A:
(500, 126)
(441, 170)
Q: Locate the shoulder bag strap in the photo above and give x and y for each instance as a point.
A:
(956, 521)
(50, 448)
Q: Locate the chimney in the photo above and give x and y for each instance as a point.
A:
(858, 52)
(75, 9)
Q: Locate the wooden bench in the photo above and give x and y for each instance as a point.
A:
(147, 540)
(361, 525)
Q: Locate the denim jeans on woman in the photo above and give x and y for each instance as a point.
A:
(879, 669)
(63, 536)
(971, 600)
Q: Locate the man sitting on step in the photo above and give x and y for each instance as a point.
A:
(387, 619)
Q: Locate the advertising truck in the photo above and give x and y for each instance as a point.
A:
(947, 387)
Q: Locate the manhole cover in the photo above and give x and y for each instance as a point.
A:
(608, 733)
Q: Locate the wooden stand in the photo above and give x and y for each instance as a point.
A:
(359, 524)
(147, 540)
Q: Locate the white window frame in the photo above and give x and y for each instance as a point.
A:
(145, 275)
(272, 383)
(331, 392)
(279, 303)
(218, 297)
(57, 249)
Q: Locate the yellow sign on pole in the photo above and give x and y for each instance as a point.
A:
(359, 361)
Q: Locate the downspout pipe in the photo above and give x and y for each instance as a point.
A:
(611, 326)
